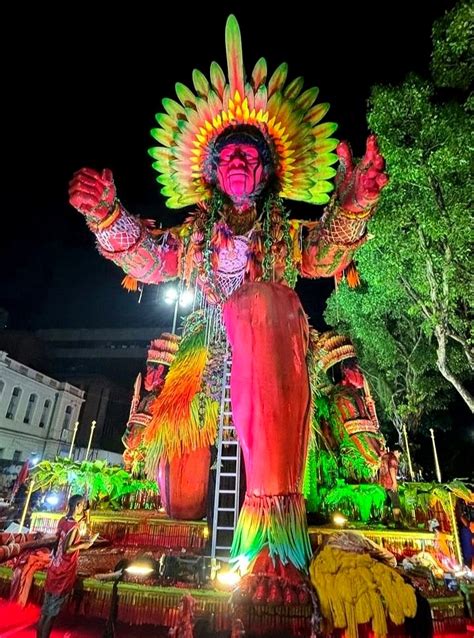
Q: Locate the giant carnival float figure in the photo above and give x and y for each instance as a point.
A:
(235, 148)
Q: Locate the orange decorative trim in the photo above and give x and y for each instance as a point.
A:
(354, 426)
(130, 283)
(364, 213)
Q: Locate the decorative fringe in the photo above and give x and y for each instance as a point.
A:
(184, 419)
(183, 627)
(357, 502)
(130, 283)
(355, 589)
(135, 528)
(278, 522)
(145, 605)
(309, 476)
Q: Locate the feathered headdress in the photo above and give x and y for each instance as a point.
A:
(286, 117)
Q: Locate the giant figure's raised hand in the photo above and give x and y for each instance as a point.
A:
(92, 193)
(359, 185)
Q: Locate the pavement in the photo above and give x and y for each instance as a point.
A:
(19, 622)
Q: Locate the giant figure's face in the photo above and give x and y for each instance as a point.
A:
(240, 172)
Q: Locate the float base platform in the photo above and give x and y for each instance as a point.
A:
(141, 605)
(130, 532)
(136, 528)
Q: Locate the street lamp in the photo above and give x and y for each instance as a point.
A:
(186, 298)
(178, 297)
(171, 295)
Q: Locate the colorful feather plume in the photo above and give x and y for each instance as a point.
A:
(276, 522)
(184, 419)
(286, 115)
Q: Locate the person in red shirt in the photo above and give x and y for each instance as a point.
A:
(62, 571)
(388, 479)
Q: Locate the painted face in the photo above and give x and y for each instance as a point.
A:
(240, 172)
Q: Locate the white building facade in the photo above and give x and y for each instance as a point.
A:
(37, 413)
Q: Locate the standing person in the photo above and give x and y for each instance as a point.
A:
(21, 479)
(62, 572)
(463, 519)
(388, 479)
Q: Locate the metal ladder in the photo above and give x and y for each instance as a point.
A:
(226, 499)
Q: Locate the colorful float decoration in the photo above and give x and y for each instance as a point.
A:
(235, 147)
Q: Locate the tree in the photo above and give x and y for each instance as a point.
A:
(394, 353)
(418, 266)
(393, 350)
(453, 60)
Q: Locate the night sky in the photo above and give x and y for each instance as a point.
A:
(82, 88)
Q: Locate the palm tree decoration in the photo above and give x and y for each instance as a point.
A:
(104, 484)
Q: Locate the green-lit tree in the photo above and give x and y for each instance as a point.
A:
(412, 317)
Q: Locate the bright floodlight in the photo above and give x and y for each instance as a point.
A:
(140, 568)
(186, 298)
(228, 578)
(171, 294)
(52, 499)
(339, 520)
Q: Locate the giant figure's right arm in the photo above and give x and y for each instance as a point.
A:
(124, 239)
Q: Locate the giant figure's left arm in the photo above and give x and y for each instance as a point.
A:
(330, 246)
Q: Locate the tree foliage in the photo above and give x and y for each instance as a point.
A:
(412, 317)
(393, 350)
(453, 52)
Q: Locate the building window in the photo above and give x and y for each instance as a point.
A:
(45, 413)
(2, 385)
(67, 418)
(16, 456)
(30, 408)
(13, 405)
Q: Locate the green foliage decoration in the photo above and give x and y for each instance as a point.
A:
(104, 484)
(356, 502)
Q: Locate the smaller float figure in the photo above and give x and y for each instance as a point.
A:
(161, 354)
(345, 443)
(348, 420)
